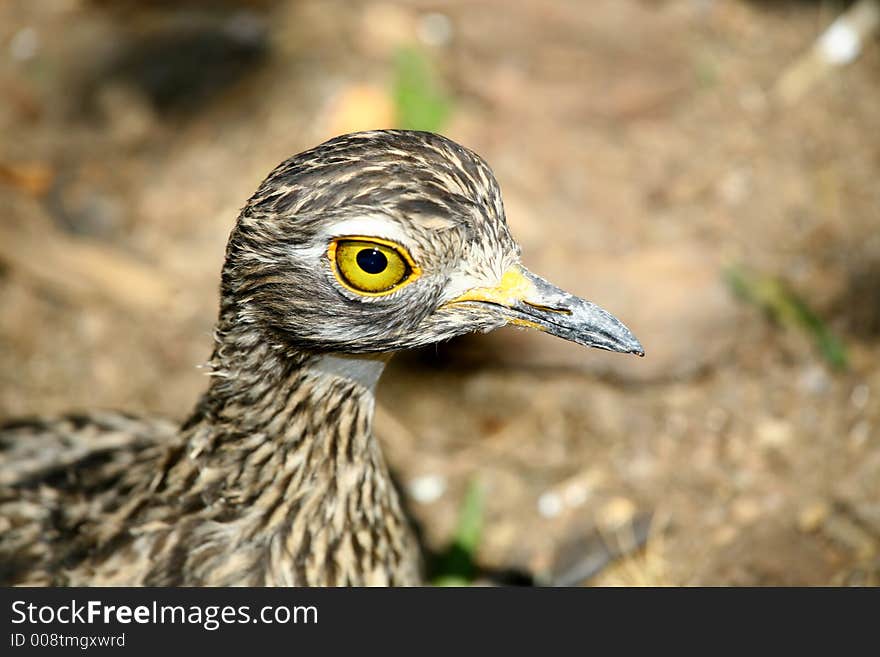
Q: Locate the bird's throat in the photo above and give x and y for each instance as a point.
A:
(363, 370)
(286, 457)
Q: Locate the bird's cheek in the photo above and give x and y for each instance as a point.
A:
(452, 321)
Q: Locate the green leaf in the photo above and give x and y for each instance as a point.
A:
(470, 519)
(419, 100)
(789, 309)
(456, 565)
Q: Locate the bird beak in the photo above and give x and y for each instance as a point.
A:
(525, 299)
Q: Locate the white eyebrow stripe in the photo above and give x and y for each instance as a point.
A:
(370, 226)
(436, 223)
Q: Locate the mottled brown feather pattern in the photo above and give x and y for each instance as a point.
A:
(276, 478)
(275, 495)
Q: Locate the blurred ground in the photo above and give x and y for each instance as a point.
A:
(640, 151)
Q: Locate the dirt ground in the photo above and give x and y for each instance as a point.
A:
(642, 148)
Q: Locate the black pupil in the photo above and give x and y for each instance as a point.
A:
(372, 261)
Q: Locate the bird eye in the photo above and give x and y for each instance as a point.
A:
(371, 267)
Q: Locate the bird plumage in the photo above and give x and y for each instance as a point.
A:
(276, 479)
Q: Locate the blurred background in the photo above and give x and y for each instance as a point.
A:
(705, 169)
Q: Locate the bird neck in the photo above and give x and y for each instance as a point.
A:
(287, 394)
(283, 443)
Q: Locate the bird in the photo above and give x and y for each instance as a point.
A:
(365, 245)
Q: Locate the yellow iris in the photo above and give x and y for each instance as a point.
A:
(370, 266)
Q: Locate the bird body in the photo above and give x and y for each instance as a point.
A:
(365, 245)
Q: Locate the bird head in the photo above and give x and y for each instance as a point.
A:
(379, 241)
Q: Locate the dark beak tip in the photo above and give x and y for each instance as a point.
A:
(636, 350)
(633, 345)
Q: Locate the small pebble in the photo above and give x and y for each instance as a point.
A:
(434, 29)
(840, 44)
(550, 504)
(859, 397)
(734, 187)
(815, 380)
(24, 45)
(575, 494)
(427, 488)
(773, 433)
(859, 434)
